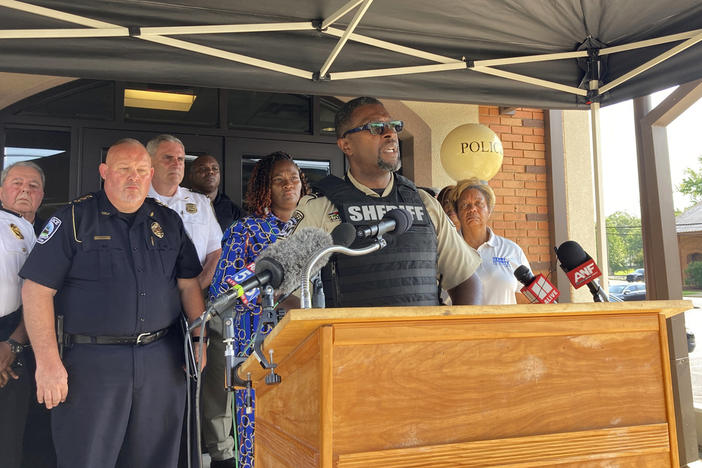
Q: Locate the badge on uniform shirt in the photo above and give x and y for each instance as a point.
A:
(16, 231)
(191, 208)
(157, 230)
(49, 230)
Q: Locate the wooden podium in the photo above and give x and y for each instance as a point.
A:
(565, 385)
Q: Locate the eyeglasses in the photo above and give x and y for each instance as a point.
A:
(377, 128)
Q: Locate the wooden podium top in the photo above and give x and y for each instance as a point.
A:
(298, 324)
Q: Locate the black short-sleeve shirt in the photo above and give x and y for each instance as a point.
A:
(114, 274)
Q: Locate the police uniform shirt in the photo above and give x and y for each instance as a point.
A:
(500, 257)
(115, 274)
(198, 217)
(456, 260)
(16, 241)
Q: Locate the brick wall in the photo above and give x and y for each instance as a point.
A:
(522, 210)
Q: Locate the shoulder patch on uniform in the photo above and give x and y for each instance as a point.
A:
(297, 216)
(334, 216)
(49, 230)
(81, 199)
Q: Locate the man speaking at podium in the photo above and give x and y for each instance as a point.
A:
(405, 272)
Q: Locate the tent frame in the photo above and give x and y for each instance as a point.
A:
(162, 35)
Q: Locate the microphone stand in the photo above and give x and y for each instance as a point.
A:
(318, 299)
(305, 298)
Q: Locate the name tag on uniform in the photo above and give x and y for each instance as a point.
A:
(102, 237)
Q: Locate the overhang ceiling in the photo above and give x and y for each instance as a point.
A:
(506, 52)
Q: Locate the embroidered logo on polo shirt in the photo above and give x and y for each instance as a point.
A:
(500, 261)
(49, 230)
(16, 231)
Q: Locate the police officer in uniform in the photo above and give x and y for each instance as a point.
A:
(406, 271)
(118, 268)
(21, 188)
(195, 209)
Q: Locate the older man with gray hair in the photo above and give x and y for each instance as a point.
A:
(21, 192)
(195, 209)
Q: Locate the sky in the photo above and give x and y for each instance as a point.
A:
(620, 175)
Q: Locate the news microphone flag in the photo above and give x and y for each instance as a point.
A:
(584, 273)
(541, 291)
(239, 277)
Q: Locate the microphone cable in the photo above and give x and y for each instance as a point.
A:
(195, 374)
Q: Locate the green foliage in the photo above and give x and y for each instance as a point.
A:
(691, 184)
(694, 274)
(624, 242)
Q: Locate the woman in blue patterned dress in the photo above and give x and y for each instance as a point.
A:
(274, 189)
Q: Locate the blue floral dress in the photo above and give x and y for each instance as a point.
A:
(242, 242)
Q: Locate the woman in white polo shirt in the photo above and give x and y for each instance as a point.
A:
(474, 201)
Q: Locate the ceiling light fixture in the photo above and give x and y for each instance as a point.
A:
(160, 100)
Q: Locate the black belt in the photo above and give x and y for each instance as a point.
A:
(138, 340)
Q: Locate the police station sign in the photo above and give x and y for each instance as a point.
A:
(472, 150)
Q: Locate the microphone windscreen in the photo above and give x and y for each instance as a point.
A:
(344, 234)
(274, 267)
(293, 254)
(571, 255)
(523, 275)
(402, 218)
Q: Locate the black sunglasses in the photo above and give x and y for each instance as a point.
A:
(378, 128)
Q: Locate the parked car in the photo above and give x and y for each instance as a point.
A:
(629, 292)
(616, 289)
(637, 275)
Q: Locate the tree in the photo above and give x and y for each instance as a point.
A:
(624, 242)
(691, 184)
(694, 274)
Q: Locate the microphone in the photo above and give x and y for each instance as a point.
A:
(344, 234)
(580, 269)
(293, 254)
(281, 265)
(397, 221)
(537, 289)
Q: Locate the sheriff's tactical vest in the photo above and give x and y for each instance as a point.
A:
(404, 272)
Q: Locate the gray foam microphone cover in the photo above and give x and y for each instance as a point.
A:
(295, 252)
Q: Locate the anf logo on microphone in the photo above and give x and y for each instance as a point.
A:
(584, 273)
(541, 290)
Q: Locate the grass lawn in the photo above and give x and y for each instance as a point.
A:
(692, 292)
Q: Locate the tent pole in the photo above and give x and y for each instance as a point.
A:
(600, 218)
(345, 37)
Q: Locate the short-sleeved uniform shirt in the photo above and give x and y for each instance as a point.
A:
(16, 241)
(500, 257)
(456, 261)
(198, 217)
(114, 274)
